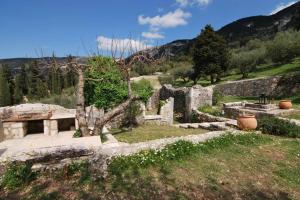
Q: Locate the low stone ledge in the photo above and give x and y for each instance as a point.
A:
(205, 117)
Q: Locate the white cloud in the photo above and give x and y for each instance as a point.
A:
(281, 7)
(152, 35)
(117, 44)
(184, 3)
(169, 20)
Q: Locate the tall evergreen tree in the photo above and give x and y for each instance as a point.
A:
(56, 83)
(210, 54)
(33, 77)
(24, 78)
(42, 89)
(18, 89)
(5, 94)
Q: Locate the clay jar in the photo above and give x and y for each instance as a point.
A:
(247, 122)
(285, 104)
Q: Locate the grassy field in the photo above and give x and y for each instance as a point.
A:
(152, 132)
(269, 70)
(261, 71)
(241, 167)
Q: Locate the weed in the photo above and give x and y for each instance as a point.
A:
(17, 175)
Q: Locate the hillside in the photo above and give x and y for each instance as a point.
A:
(243, 30)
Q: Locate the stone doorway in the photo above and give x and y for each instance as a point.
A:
(35, 127)
(66, 124)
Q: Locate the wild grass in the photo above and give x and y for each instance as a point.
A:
(248, 166)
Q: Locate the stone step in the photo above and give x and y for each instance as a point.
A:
(218, 126)
(193, 126)
(204, 125)
(184, 125)
(232, 123)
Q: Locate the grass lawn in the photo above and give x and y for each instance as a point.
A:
(152, 132)
(250, 167)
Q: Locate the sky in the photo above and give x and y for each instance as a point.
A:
(35, 28)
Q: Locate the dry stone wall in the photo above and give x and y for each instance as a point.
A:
(276, 86)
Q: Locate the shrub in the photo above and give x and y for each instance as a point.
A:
(17, 175)
(131, 114)
(217, 97)
(275, 126)
(77, 133)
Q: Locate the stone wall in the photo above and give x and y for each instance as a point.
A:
(167, 111)
(14, 130)
(276, 86)
(50, 127)
(179, 95)
(187, 99)
(198, 96)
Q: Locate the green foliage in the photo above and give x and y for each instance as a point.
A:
(275, 126)
(144, 69)
(77, 133)
(142, 89)
(17, 175)
(210, 55)
(110, 89)
(5, 94)
(18, 91)
(284, 47)
(37, 87)
(180, 150)
(246, 61)
(184, 72)
(211, 110)
(131, 114)
(55, 80)
(217, 97)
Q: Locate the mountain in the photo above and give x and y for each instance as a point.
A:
(242, 30)
(16, 63)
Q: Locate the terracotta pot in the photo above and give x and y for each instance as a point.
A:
(247, 122)
(285, 104)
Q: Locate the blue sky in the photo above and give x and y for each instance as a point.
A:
(77, 26)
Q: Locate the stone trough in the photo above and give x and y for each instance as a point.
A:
(233, 110)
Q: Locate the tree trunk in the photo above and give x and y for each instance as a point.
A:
(100, 122)
(80, 105)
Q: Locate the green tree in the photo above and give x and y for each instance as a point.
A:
(18, 89)
(41, 89)
(55, 80)
(210, 55)
(5, 94)
(23, 78)
(110, 89)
